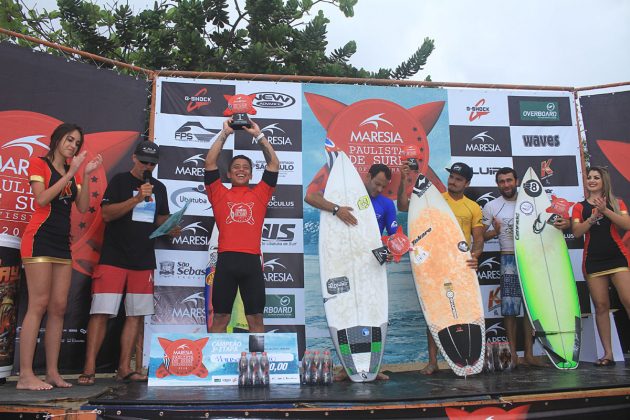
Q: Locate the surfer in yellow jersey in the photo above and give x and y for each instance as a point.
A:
(498, 220)
(468, 214)
(377, 179)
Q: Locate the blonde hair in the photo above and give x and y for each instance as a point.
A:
(607, 186)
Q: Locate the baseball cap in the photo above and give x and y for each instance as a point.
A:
(147, 151)
(462, 169)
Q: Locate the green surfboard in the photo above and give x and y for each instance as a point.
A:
(546, 275)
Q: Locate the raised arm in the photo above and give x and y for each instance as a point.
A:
(217, 146)
(273, 164)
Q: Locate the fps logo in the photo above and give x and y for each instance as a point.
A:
(193, 131)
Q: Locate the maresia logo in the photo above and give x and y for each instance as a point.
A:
(188, 164)
(283, 135)
(489, 269)
(194, 131)
(273, 100)
(283, 270)
(377, 131)
(539, 111)
(195, 235)
(177, 305)
(478, 110)
(480, 141)
(194, 98)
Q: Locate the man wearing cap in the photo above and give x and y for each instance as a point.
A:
(498, 220)
(469, 216)
(133, 206)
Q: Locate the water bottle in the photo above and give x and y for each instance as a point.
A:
(306, 367)
(316, 369)
(242, 369)
(264, 369)
(505, 355)
(327, 369)
(488, 363)
(253, 371)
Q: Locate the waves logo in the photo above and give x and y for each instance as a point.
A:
(182, 358)
(378, 131)
(478, 110)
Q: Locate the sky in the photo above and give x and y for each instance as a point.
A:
(574, 43)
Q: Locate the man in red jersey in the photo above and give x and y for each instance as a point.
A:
(239, 213)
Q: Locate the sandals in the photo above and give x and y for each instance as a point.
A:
(604, 363)
(128, 378)
(86, 379)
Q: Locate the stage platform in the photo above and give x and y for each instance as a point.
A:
(587, 392)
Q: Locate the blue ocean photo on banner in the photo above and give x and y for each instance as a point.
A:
(372, 125)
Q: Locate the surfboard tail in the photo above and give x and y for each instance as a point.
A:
(463, 346)
(562, 347)
(360, 350)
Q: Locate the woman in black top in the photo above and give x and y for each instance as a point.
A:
(605, 256)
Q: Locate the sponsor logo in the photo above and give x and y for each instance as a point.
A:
(478, 110)
(545, 169)
(240, 213)
(494, 300)
(180, 268)
(541, 140)
(483, 142)
(286, 202)
(275, 135)
(376, 130)
(539, 111)
(193, 234)
(485, 170)
(489, 270)
(480, 141)
(279, 306)
(421, 186)
(515, 227)
(195, 131)
(279, 271)
(278, 233)
(462, 246)
(273, 100)
(191, 167)
(182, 357)
(198, 100)
(338, 285)
(179, 306)
(527, 207)
(193, 195)
(484, 199)
(283, 135)
(450, 295)
(496, 333)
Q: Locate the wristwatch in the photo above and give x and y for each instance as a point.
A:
(335, 210)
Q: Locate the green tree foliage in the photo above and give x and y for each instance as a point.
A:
(251, 36)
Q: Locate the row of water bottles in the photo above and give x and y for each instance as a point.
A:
(498, 357)
(316, 368)
(253, 371)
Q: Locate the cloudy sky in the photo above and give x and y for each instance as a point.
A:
(534, 42)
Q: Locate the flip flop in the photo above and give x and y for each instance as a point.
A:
(128, 377)
(86, 379)
(604, 363)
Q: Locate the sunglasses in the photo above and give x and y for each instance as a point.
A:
(147, 163)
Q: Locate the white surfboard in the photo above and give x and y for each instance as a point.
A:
(447, 289)
(354, 284)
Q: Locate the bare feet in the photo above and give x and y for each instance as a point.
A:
(429, 369)
(531, 361)
(32, 383)
(382, 377)
(57, 381)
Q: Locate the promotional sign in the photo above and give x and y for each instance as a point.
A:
(178, 359)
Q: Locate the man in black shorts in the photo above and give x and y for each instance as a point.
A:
(239, 213)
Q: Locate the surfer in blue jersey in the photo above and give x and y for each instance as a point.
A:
(498, 219)
(468, 214)
(376, 181)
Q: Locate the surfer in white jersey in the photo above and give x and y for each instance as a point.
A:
(468, 214)
(377, 179)
(498, 219)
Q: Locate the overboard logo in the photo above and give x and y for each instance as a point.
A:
(273, 100)
(194, 131)
(539, 111)
(279, 306)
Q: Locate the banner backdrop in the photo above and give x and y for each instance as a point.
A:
(189, 114)
(39, 92)
(607, 129)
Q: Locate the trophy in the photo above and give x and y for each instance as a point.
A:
(238, 107)
(411, 153)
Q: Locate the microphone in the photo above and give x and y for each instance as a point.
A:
(146, 175)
